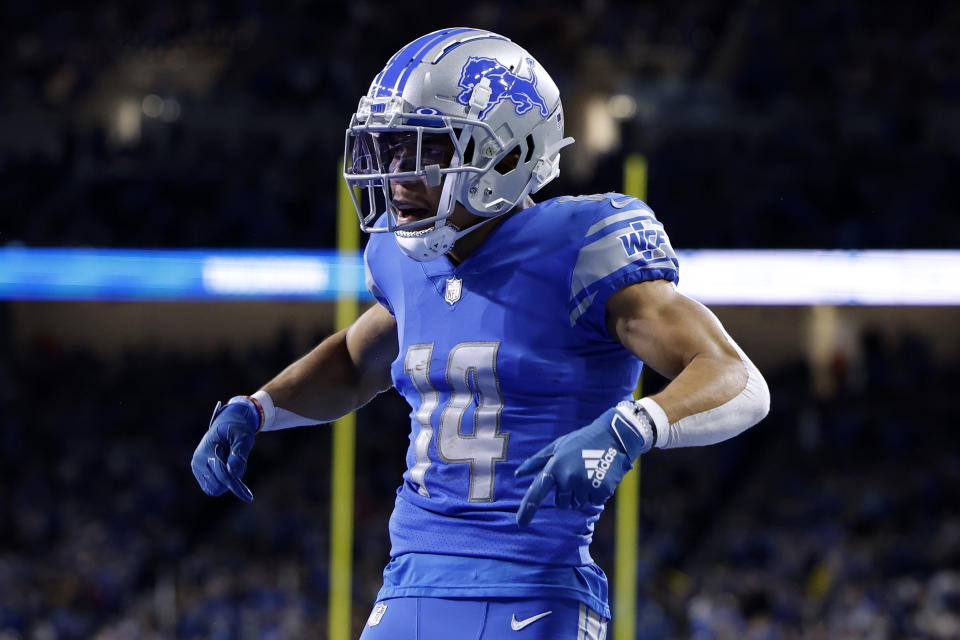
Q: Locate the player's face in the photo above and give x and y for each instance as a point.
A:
(412, 197)
(400, 150)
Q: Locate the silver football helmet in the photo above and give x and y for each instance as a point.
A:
(446, 109)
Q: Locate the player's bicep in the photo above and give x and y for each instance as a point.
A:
(621, 248)
(372, 345)
(664, 328)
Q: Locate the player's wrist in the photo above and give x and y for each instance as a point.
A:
(276, 418)
(658, 420)
(269, 409)
(638, 431)
(255, 405)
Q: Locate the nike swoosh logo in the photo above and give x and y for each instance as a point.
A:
(620, 204)
(516, 625)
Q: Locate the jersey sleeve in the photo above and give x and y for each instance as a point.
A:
(620, 248)
(371, 282)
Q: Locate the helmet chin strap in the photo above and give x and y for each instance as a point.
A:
(431, 243)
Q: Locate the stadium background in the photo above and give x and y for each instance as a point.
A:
(214, 124)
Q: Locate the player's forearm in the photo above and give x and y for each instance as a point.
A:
(716, 392)
(706, 382)
(714, 398)
(325, 384)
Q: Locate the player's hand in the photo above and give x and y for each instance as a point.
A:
(586, 465)
(220, 459)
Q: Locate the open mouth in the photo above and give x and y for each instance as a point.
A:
(407, 214)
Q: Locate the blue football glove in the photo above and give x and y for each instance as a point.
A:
(586, 465)
(220, 459)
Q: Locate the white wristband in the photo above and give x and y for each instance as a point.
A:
(661, 426)
(275, 418)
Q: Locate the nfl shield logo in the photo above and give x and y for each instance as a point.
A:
(454, 289)
(377, 614)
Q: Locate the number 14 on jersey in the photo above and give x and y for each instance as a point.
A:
(471, 376)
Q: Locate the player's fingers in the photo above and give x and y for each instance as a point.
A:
(535, 463)
(531, 465)
(565, 500)
(205, 478)
(599, 497)
(209, 484)
(216, 410)
(580, 497)
(212, 487)
(240, 445)
(236, 465)
(538, 490)
(242, 491)
(234, 484)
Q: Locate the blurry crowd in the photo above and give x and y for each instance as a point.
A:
(817, 124)
(835, 518)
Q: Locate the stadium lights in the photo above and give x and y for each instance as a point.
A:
(718, 277)
(129, 274)
(800, 277)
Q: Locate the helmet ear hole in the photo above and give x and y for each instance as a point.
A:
(529, 154)
(509, 162)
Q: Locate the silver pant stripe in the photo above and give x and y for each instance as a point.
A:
(590, 626)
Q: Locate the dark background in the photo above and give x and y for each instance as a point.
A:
(824, 124)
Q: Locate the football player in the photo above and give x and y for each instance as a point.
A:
(516, 331)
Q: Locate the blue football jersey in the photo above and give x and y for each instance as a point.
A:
(499, 356)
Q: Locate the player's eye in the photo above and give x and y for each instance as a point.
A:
(399, 151)
(393, 142)
(401, 158)
(437, 149)
(434, 155)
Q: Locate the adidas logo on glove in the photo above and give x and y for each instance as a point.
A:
(605, 448)
(597, 462)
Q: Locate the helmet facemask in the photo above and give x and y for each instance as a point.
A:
(403, 146)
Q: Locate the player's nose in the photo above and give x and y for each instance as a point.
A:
(409, 190)
(404, 161)
(408, 183)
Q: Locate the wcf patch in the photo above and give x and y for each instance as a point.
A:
(647, 238)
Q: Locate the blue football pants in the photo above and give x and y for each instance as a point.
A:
(419, 618)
